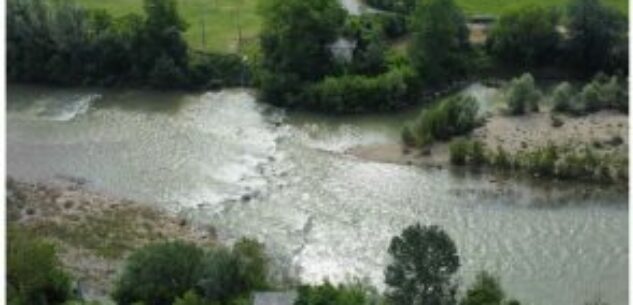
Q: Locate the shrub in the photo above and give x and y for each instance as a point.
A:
(459, 150)
(522, 95)
(562, 97)
(501, 159)
(454, 116)
(470, 152)
(541, 161)
(328, 294)
(486, 290)
(158, 273)
(358, 93)
(190, 298)
(34, 273)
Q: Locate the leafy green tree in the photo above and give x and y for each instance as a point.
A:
(158, 273)
(424, 259)
(163, 31)
(294, 41)
(440, 47)
(486, 291)
(166, 74)
(595, 33)
(34, 275)
(525, 36)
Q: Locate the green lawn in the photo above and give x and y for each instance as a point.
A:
(495, 7)
(221, 19)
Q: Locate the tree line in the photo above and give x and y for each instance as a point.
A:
(62, 43)
(298, 67)
(422, 268)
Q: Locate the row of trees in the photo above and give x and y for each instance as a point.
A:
(63, 43)
(297, 55)
(424, 261)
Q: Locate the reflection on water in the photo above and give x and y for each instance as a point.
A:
(227, 160)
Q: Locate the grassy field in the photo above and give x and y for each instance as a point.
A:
(495, 7)
(223, 18)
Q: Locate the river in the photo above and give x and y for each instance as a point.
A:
(249, 169)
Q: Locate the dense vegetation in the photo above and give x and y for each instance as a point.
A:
(551, 161)
(601, 93)
(160, 273)
(424, 261)
(62, 43)
(34, 275)
(451, 117)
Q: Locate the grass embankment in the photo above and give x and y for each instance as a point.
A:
(222, 17)
(93, 232)
(222, 20)
(496, 7)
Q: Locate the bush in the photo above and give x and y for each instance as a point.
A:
(525, 36)
(464, 152)
(486, 290)
(458, 151)
(454, 116)
(190, 298)
(218, 70)
(522, 95)
(328, 294)
(358, 93)
(158, 273)
(562, 97)
(34, 273)
(399, 6)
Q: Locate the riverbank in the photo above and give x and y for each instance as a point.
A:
(606, 132)
(93, 232)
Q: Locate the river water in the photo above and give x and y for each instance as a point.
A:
(248, 169)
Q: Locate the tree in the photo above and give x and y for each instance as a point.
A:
(163, 30)
(424, 259)
(158, 273)
(34, 275)
(525, 36)
(596, 32)
(440, 44)
(295, 40)
(486, 291)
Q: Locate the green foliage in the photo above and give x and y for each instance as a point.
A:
(424, 260)
(161, 273)
(454, 116)
(522, 95)
(596, 33)
(440, 49)
(398, 6)
(562, 97)
(327, 294)
(158, 273)
(464, 152)
(525, 36)
(359, 93)
(369, 53)
(190, 298)
(289, 56)
(61, 43)
(603, 93)
(34, 275)
(486, 291)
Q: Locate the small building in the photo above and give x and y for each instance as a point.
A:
(343, 49)
(274, 297)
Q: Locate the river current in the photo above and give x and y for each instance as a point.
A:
(224, 159)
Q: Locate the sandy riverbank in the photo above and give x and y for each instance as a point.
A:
(604, 131)
(94, 232)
